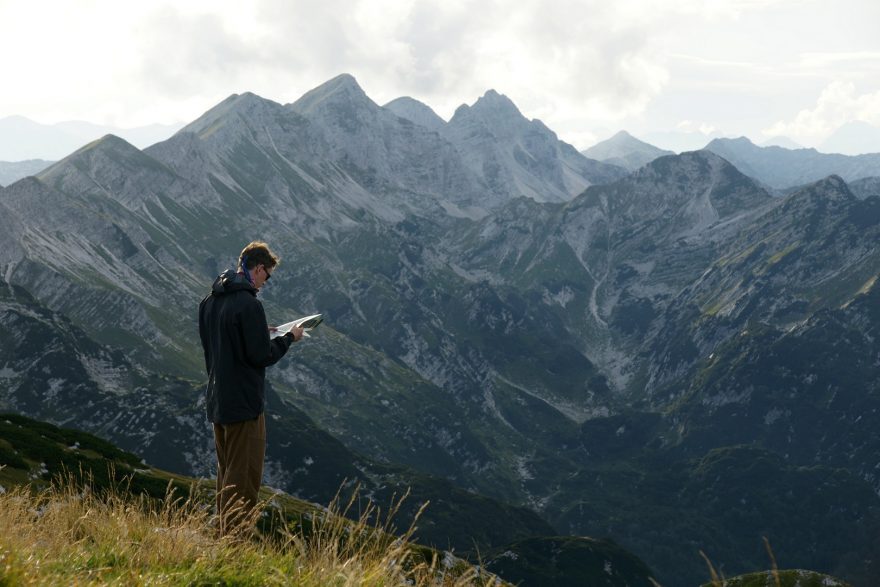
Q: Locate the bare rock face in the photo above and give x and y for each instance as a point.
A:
(416, 112)
(388, 154)
(518, 157)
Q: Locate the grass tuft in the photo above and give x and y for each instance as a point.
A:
(73, 533)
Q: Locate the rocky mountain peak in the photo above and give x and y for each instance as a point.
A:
(492, 107)
(111, 167)
(701, 183)
(111, 142)
(495, 115)
(624, 150)
(517, 156)
(108, 146)
(341, 90)
(247, 105)
(415, 111)
(495, 101)
(663, 165)
(830, 189)
(834, 181)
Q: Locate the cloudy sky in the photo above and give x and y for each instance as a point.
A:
(587, 68)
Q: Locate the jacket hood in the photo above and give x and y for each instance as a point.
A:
(230, 281)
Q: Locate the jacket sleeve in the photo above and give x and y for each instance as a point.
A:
(203, 334)
(259, 349)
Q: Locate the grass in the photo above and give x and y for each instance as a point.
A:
(72, 533)
(772, 578)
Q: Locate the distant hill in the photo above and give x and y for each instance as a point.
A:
(624, 150)
(10, 172)
(865, 187)
(783, 168)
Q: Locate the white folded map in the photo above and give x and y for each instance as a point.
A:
(307, 324)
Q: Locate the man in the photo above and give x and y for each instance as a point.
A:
(235, 338)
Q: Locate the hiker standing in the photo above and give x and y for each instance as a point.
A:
(235, 339)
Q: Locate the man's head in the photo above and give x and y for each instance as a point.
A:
(259, 262)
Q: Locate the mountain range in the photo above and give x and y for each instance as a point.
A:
(782, 168)
(676, 357)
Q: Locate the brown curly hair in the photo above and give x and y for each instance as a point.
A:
(257, 253)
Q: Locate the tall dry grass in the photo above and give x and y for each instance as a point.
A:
(73, 534)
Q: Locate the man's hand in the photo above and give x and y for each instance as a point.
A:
(297, 333)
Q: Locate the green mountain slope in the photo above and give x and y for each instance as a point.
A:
(79, 382)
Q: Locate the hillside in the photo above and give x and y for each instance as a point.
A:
(108, 520)
(147, 526)
(105, 394)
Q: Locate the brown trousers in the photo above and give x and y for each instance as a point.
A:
(241, 448)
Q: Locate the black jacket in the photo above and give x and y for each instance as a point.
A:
(235, 338)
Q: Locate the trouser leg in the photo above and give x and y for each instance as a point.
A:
(241, 449)
(222, 459)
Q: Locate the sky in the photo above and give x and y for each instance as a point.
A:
(586, 68)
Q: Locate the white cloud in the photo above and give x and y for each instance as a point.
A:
(563, 60)
(861, 59)
(838, 104)
(578, 65)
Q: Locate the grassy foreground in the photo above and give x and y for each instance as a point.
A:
(71, 534)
